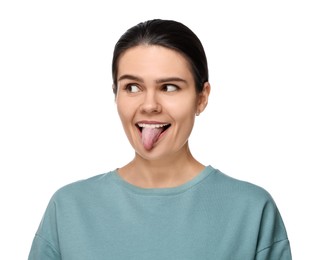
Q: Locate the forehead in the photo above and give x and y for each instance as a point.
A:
(153, 58)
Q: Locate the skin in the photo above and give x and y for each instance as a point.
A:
(156, 85)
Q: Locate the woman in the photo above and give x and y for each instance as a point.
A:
(164, 204)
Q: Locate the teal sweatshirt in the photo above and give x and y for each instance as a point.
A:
(213, 216)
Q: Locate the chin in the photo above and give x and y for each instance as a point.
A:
(156, 153)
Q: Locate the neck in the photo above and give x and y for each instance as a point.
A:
(166, 172)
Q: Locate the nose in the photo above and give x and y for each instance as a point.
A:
(150, 103)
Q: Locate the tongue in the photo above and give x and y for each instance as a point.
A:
(150, 136)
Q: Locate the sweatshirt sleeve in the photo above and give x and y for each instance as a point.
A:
(43, 250)
(279, 250)
(272, 241)
(45, 244)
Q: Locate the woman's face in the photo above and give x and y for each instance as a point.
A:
(157, 100)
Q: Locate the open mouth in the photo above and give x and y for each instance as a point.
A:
(163, 127)
(150, 133)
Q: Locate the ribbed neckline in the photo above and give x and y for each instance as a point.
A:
(164, 191)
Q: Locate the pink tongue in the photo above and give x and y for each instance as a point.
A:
(150, 136)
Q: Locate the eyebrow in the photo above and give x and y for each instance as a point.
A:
(170, 79)
(130, 77)
(163, 80)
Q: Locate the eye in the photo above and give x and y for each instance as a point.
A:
(170, 88)
(132, 88)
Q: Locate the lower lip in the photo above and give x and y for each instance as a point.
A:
(163, 134)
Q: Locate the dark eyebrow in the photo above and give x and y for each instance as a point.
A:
(130, 77)
(163, 80)
(170, 80)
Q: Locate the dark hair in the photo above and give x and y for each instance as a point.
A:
(170, 34)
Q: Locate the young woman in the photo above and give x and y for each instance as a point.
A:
(164, 204)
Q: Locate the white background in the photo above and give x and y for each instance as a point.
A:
(265, 123)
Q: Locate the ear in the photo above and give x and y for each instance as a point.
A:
(203, 98)
(113, 90)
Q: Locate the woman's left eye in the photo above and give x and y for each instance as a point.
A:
(170, 88)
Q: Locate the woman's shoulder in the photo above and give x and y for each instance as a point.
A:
(234, 187)
(81, 187)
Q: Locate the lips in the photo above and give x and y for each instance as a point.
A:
(151, 125)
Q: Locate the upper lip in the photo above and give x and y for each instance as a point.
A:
(146, 122)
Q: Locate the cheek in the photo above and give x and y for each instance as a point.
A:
(123, 111)
(183, 107)
(184, 116)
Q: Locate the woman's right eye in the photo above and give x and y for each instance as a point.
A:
(132, 88)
